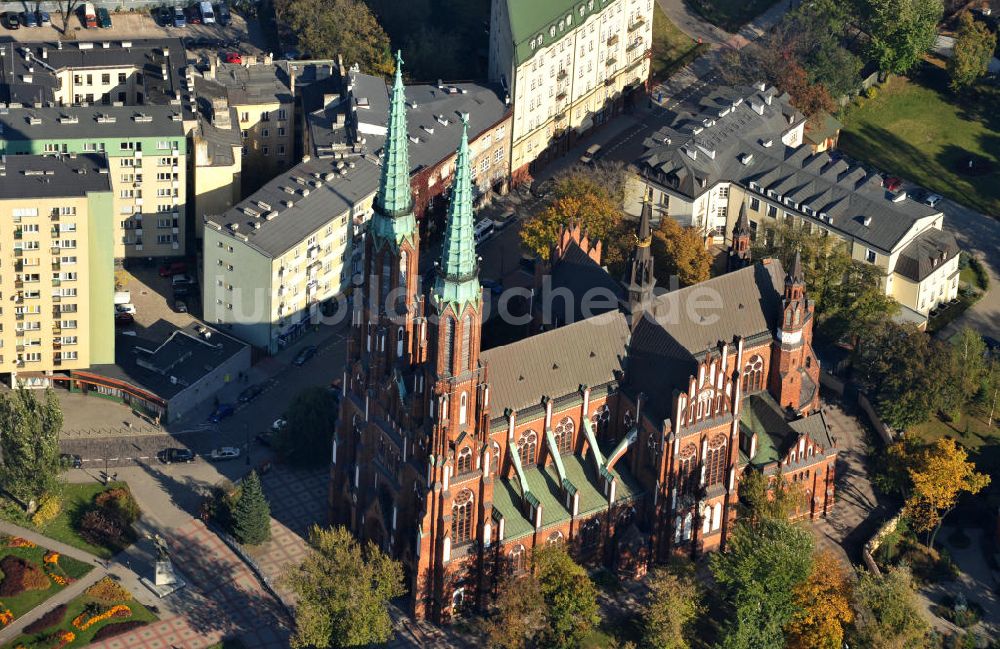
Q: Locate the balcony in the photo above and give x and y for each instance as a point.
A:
(18, 252)
(611, 61)
(639, 22)
(18, 233)
(613, 40)
(636, 44)
(56, 282)
(562, 74)
(56, 250)
(560, 96)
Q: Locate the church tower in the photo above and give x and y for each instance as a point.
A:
(739, 250)
(386, 314)
(794, 370)
(457, 516)
(639, 280)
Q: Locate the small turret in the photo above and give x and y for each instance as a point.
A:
(639, 280)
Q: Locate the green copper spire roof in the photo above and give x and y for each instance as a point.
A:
(457, 280)
(393, 220)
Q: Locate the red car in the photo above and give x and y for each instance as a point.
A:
(124, 319)
(193, 15)
(175, 268)
(893, 184)
(233, 57)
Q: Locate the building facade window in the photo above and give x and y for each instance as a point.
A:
(461, 516)
(563, 434)
(715, 460)
(464, 463)
(527, 446)
(753, 374)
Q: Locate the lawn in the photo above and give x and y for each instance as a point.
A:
(672, 48)
(729, 14)
(971, 431)
(88, 607)
(65, 567)
(917, 129)
(77, 499)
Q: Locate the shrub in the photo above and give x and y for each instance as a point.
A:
(119, 500)
(112, 630)
(21, 575)
(872, 92)
(104, 527)
(109, 590)
(48, 509)
(47, 621)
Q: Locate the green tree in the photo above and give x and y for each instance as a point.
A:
(904, 369)
(679, 251)
(672, 608)
(251, 515)
(326, 29)
(758, 575)
(974, 45)
(29, 443)
(966, 372)
(519, 616)
(343, 592)
(900, 31)
(569, 595)
(767, 498)
(886, 612)
(305, 439)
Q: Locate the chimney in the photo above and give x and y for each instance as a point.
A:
(213, 63)
(220, 113)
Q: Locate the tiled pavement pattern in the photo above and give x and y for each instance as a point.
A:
(222, 599)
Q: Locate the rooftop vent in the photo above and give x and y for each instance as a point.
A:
(899, 197)
(106, 119)
(288, 190)
(429, 129)
(305, 191)
(767, 144)
(441, 119)
(414, 139)
(34, 120)
(317, 183)
(330, 175)
(234, 226)
(746, 158)
(867, 221)
(142, 118)
(264, 206)
(126, 44)
(299, 180)
(288, 203)
(270, 215)
(69, 119)
(362, 102)
(249, 211)
(106, 44)
(86, 45)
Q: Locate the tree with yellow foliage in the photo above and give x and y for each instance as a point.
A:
(823, 604)
(591, 208)
(940, 473)
(679, 251)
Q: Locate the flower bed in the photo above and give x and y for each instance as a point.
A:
(110, 591)
(83, 621)
(26, 564)
(20, 575)
(47, 621)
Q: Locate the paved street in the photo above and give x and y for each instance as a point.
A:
(979, 234)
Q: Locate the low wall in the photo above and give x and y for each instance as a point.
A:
(868, 552)
(884, 432)
(831, 383)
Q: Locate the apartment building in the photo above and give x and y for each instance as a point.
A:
(146, 149)
(272, 260)
(217, 162)
(262, 93)
(569, 65)
(744, 155)
(57, 269)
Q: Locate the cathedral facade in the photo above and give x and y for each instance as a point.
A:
(623, 434)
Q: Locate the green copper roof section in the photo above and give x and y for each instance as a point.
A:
(457, 280)
(393, 220)
(537, 24)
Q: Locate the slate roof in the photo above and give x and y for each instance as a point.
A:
(38, 176)
(926, 253)
(221, 142)
(147, 55)
(555, 363)
(184, 355)
(164, 121)
(280, 227)
(579, 273)
(246, 85)
(667, 344)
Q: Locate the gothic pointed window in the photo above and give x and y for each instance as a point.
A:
(686, 460)
(554, 538)
(527, 446)
(563, 434)
(463, 409)
(464, 463)
(798, 316)
(448, 344)
(461, 517)
(466, 335)
(386, 281)
(715, 460)
(753, 374)
(600, 420)
(399, 342)
(517, 559)
(495, 459)
(403, 257)
(688, 521)
(716, 516)
(591, 533)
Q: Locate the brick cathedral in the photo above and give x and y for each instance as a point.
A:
(623, 434)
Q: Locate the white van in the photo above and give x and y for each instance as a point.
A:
(123, 297)
(207, 15)
(588, 157)
(483, 230)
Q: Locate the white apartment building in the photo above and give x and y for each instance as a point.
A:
(569, 65)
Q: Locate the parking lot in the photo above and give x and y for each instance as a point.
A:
(140, 24)
(152, 295)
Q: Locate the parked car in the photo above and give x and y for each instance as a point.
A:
(501, 221)
(173, 268)
(932, 200)
(222, 411)
(182, 290)
(303, 356)
(180, 20)
(103, 18)
(224, 453)
(207, 14)
(222, 14)
(70, 460)
(88, 15)
(483, 230)
(11, 21)
(180, 306)
(124, 319)
(28, 19)
(175, 455)
(278, 424)
(251, 393)
(43, 18)
(125, 308)
(265, 439)
(232, 57)
(892, 183)
(589, 155)
(193, 15)
(181, 279)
